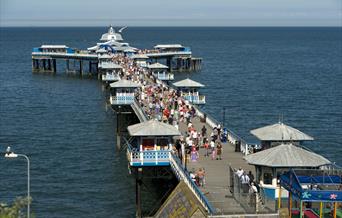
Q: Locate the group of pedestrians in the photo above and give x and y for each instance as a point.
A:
(247, 182)
(198, 177)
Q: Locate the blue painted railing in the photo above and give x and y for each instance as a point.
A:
(182, 174)
(148, 157)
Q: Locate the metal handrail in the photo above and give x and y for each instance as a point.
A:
(183, 175)
(211, 120)
(139, 111)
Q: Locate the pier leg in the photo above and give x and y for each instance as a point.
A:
(44, 65)
(81, 67)
(138, 183)
(118, 132)
(54, 66)
(169, 63)
(49, 64)
(34, 66)
(67, 65)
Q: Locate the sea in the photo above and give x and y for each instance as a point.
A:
(259, 75)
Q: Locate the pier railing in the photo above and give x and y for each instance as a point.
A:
(110, 77)
(122, 100)
(165, 76)
(181, 174)
(66, 55)
(142, 116)
(195, 99)
(148, 157)
(232, 137)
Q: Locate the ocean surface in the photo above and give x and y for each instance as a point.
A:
(62, 123)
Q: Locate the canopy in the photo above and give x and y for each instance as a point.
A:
(280, 132)
(109, 65)
(188, 83)
(157, 66)
(153, 128)
(287, 155)
(139, 56)
(293, 181)
(54, 46)
(124, 84)
(168, 46)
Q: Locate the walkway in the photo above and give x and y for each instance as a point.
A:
(217, 173)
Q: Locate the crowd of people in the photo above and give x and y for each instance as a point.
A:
(165, 104)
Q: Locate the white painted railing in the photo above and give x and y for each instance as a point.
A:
(110, 77)
(231, 137)
(121, 99)
(195, 99)
(165, 76)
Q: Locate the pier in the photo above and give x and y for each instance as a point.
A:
(157, 123)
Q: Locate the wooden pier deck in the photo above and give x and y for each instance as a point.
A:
(217, 178)
(217, 184)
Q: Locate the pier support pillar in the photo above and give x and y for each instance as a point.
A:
(138, 183)
(81, 67)
(49, 65)
(54, 65)
(118, 130)
(44, 65)
(169, 63)
(67, 62)
(90, 67)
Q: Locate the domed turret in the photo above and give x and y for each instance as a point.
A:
(111, 36)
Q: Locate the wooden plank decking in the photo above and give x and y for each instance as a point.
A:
(217, 173)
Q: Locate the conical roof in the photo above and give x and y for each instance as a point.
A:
(287, 155)
(280, 132)
(124, 84)
(153, 128)
(188, 83)
(157, 66)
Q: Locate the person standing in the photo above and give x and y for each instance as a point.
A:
(251, 177)
(245, 183)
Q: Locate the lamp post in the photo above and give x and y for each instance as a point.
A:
(224, 115)
(11, 154)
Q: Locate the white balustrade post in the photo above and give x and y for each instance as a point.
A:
(155, 152)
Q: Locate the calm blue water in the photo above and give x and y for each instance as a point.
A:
(63, 125)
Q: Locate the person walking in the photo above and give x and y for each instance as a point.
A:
(219, 151)
(206, 147)
(212, 147)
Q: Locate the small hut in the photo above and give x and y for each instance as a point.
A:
(189, 91)
(109, 70)
(123, 92)
(160, 71)
(153, 143)
(275, 134)
(271, 163)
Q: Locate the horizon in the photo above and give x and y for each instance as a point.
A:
(216, 13)
(171, 26)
